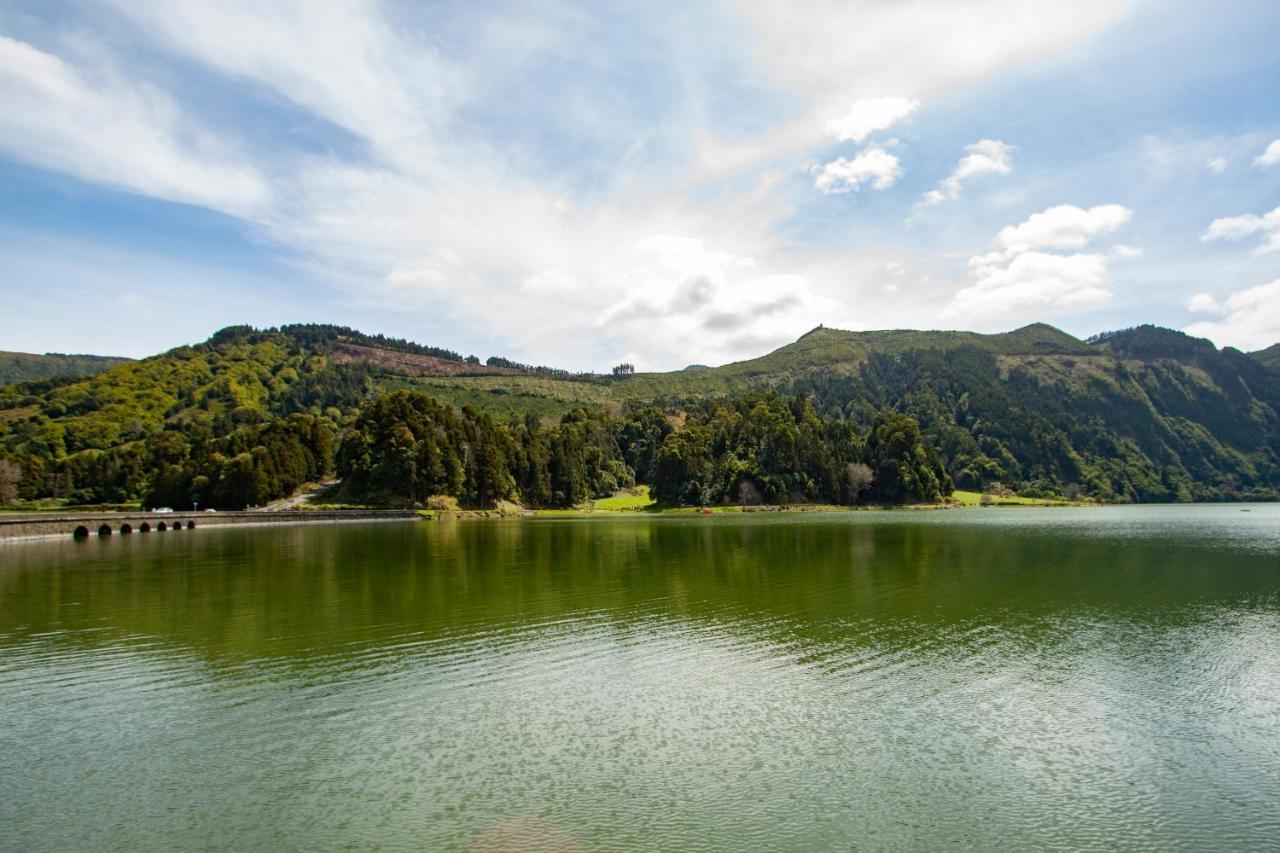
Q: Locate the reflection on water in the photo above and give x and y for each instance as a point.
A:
(1105, 677)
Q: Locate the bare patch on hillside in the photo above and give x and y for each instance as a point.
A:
(411, 364)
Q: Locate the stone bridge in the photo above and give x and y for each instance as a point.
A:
(118, 523)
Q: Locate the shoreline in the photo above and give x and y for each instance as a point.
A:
(762, 509)
(36, 527)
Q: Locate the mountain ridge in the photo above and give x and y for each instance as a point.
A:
(1137, 414)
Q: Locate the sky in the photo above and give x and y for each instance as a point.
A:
(666, 183)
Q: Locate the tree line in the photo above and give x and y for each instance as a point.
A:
(760, 448)
(766, 448)
(403, 448)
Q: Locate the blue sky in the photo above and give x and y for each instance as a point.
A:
(664, 183)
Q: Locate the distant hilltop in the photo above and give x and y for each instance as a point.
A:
(21, 366)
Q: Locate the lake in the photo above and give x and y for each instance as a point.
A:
(971, 679)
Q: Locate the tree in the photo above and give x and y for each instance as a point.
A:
(10, 476)
(641, 438)
(748, 493)
(859, 477)
(624, 369)
(905, 470)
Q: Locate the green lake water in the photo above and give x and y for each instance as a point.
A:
(977, 679)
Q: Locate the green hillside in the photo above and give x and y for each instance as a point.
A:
(1269, 356)
(827, 350)
(23, 366)
(1143, 414)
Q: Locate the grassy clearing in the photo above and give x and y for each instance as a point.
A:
(630, 499)
(975, 499)
(639, 500)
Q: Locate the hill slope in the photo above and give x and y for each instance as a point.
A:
(1143, 414)
(1269, 356)
(23, 366)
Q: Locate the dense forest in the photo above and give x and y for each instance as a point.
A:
(405, 448)
(1155, 415)
(770, 449)
(1144, 414)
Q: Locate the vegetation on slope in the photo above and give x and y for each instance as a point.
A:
(1269, 356)
(1182, 421)
(109, 437)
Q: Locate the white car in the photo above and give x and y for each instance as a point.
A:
(162, 509)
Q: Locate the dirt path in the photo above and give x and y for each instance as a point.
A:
(298, 499)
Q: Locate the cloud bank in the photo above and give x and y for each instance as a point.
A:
(1249, 319)
(1024, 278)
(1234, 228)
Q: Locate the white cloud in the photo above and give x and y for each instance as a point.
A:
(340, 60)
(102, 128)
(826, 52)
(1203, 303)
(915, 49)
(1269, 157)
(868, 115)
(1022, 280)
(1251, 321)
(1033, 284)
(984, 157)
(1063, 227)
(1266, 226)
(711, 303)
(895, 272)
(1217, 165)
(872, 165)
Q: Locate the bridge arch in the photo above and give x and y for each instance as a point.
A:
(145, 527)
(162, 526)
(104, 530)
(126, 528)
(81, 532)
(191, 525)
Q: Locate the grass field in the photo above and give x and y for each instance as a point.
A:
(975, 499)
(637, 498)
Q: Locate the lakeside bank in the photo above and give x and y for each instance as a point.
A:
(637, 502)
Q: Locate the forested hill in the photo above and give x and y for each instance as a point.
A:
(1269, 356)
(105, 437)
(1143, 414)
(22, 366)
